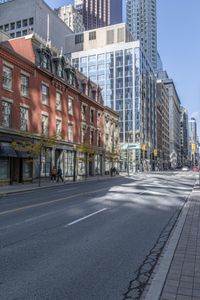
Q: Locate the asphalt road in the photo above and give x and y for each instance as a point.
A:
(85, 241)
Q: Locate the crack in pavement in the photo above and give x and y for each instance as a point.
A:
(143, 273)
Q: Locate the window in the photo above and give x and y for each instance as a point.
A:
(99, 140)
(24, 32)
(83, 112)
(31, 21)
(23, 118)
(120, 35)
(58, 126)
(7, 78)
(83, 134)
(92, 136)
(110, 36)
(25, 23)
(58, 101)
(91, 115)
(79, 38)
(45, 94)
(1, 27)
(24, 85)
(18, 33)
(70, 105)
(45, 61)
(45, 125)
(6, 27)
(92, 35)
(70, 132)
(6, 114)
(12, 35)
(12, 26)
(98, 119)
(19, 24)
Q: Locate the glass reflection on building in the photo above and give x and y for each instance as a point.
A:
(128, 86)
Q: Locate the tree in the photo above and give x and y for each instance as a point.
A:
(88, 153)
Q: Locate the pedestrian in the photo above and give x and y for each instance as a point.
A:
(114, 171)
(53, 174)
(59, 174)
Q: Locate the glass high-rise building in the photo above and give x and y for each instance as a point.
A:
(126, 78)
(141, 18)
(99, 13)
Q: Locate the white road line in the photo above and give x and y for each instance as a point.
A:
(86, 217)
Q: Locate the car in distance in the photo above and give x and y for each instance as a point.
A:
(185, 169)
(195, 169)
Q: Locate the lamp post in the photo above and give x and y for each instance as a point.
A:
(128, 155)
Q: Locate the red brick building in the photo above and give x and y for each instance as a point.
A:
(42, 95)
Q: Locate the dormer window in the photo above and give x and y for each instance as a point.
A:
(83, 88)
(93, 95)
(45, 62)
(44, 58)
(60, 70)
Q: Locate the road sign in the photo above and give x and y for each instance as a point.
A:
(130, 146)
(155, 152)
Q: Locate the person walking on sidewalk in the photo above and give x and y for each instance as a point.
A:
(59, 174)
(53, 174)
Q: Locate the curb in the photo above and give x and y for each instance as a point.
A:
(160, 274)
(3, 194)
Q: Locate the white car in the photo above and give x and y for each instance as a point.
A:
(185, 169)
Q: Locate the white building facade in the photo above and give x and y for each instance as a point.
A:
(141, 18)
(72, 18)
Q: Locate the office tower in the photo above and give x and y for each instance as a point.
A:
(110, 57)
(193, 141)
(72, 18)
(174, 124)
(162, 104)
(22, 17)
(184, 136)
(99, 13)
(141, 18)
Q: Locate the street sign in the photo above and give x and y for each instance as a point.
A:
(134, 146)
(130, 146)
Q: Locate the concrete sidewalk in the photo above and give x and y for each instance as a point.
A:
(20, 187)
(177, 276)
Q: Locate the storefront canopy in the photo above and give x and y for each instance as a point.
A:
(6, 150)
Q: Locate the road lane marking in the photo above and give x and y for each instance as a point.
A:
(51, 201)
(86, 217)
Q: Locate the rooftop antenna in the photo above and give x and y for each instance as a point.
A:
(61, 52)
(47, 28)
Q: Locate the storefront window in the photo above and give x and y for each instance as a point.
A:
(69, 163)
(4, 170)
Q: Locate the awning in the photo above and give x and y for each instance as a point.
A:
(22, 154)
(7, 151)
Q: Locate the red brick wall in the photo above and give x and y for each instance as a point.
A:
(37, 76)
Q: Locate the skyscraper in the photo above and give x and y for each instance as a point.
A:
(72, 18)
(141, 19)
(193, 141)
(99, 13)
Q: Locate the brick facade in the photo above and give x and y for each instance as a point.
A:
(81, 106)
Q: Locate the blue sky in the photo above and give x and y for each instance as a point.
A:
(179, 47)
